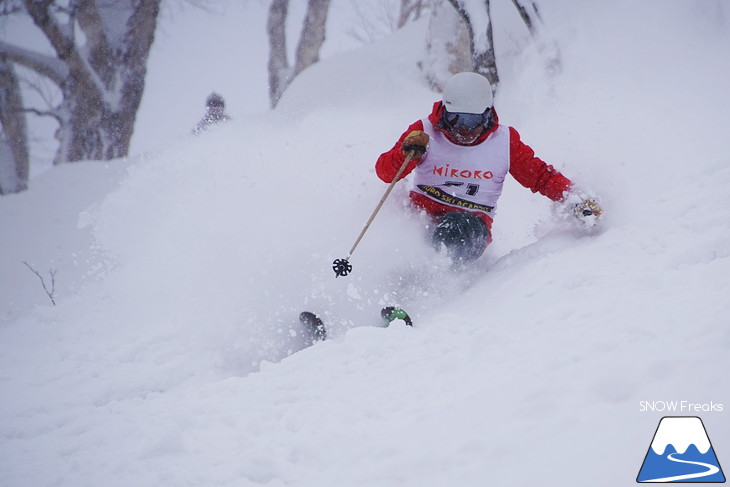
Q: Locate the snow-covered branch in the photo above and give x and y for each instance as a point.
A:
(50, 67)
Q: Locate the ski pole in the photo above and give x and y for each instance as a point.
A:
(342, 267)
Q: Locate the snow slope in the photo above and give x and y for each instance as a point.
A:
(169, 357)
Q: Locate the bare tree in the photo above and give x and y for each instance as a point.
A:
(14, 160)
(98, 62)
(311, 39)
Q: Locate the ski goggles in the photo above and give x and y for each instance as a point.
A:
(469, 121)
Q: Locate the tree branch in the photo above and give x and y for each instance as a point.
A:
(48, 66)
(42, 113)
(50, 293)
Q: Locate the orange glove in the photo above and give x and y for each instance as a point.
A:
(416, 141)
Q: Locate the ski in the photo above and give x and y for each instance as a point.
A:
(391, 313)
(318, 332)
(314, 325)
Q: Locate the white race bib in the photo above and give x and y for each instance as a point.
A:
(467, 177)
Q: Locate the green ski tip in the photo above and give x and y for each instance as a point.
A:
(391, 313)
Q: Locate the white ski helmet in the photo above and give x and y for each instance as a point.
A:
(467, 93)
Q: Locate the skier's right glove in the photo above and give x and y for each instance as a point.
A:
(587, 208)
(416, 141)
(588, 212)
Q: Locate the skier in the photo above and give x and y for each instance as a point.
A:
(462, 155)
(214, 113)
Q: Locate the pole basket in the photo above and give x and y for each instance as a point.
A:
(341, 267)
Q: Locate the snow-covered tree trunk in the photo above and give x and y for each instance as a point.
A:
(100, 74)
(448, 49)
(14, 159)
(311, 39)
(476, 16)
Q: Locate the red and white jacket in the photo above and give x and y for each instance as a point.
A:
(462, 170)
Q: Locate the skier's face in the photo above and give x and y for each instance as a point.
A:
(465, 128)
(464, 135)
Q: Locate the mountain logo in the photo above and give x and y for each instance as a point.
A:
(680, 452)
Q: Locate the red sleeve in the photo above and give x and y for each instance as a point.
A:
(389, 162)
(532, 172)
